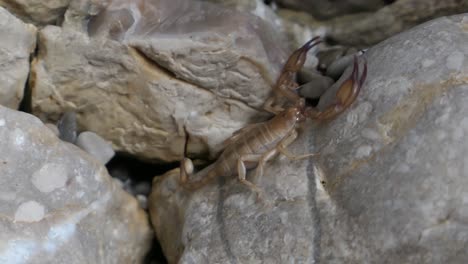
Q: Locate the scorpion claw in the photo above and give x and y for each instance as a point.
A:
(286, 85)
(345, 95)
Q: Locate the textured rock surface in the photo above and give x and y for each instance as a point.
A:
(395, 168)
(18, 41)
(367, 29)
(227, 225)
(58, 205)
(389, 185)
(207, 74)
(38, 12)
(96, 146)
(324, 9)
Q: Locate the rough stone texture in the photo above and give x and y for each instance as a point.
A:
(394, 168)
(96, 146)
(58, 205)
(366, 29)
(18, 42)
(256, 7)
(389, 185)
(38, 12)
(324, 9)
(227, 225)
(139, 83)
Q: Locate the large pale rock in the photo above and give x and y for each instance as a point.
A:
(394, 168)
(390, 184)
(18, 41)
(167, 65)
(38, 12)
(59, 205)
(223, 222)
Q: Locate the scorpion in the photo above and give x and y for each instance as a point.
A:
(255, 144)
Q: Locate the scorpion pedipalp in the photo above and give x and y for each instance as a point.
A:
(345, 96)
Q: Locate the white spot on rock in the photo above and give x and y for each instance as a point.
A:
(30, 211)
(58, 235)
(371, 134)
(18, 137)
(2, 122)
(363, 151)
(50, 177)
(455, 60)
(426, 63)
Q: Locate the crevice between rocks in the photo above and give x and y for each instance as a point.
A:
(26, 103)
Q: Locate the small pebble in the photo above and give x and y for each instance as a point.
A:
(143, 188)
(67, 127)
(315, 88)
(336, 69)
(143, 201)
(307, 74)
(328, 56)
(96, 146)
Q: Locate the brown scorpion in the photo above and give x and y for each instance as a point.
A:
(255, 144)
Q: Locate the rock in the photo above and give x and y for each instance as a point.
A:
(388, 186)
(18, 42)
(256, 7)
(362, 30)
(209, 75)
(53, 128)
(96, 146)
(337, 67)
(325, 9)
(223, 222)
(67, 127)
(37, 12)
(393, 167)
(316, 87)
(58, 205)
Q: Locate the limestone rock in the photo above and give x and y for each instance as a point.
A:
(139, 83)
(325, 9)
(367, 29)
(18, 42)
(223, 222)
(96, 146)
(389, 184)
(393, 169)
(256, 7)
(38, 12)
(58, 205)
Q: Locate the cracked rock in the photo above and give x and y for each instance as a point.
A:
(393, 169)
(37, 12)
(18, 42)
(58, 205)
(389, 184)
(141, 84)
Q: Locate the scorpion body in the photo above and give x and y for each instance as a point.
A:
(254, 145)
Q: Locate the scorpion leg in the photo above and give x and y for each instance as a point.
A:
(345, 95)
(242, 171)
(262, 161)
(286, 142)
(286, 85)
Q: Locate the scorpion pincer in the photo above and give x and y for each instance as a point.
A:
(255, 144)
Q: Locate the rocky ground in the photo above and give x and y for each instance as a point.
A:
(101, 100)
